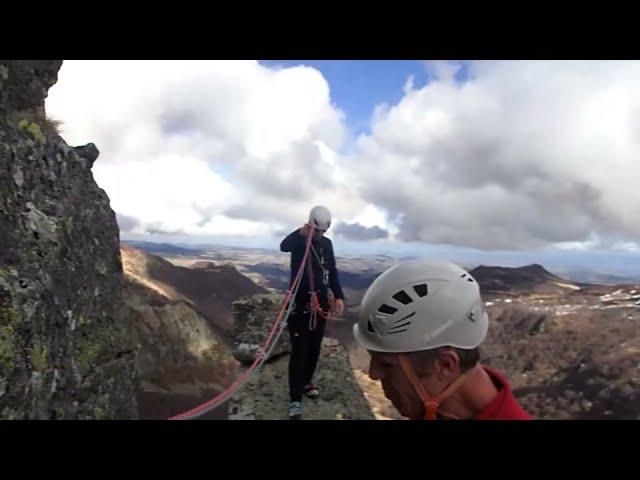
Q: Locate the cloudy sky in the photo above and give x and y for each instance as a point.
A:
(517, 157)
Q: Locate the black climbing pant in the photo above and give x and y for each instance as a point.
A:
(306, 342)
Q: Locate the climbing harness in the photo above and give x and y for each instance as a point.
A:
(325, 272)
(315, 308)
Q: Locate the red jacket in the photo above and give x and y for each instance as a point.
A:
(504, 406)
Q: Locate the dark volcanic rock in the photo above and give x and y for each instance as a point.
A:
(522, 279)
(210, 288)
(64, 350)
(24, 85)
(253, 319)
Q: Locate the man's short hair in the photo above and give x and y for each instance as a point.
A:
(422, 361)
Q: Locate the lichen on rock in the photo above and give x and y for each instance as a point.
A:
(64, 352)
(254, 316)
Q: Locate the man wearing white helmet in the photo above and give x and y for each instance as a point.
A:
(422, 322)
(306, 330)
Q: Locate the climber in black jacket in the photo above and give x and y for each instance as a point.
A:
(306, 338)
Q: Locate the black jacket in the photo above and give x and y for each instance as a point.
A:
(296, 244)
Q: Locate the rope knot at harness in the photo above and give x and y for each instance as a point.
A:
(316, 309)
(431, 404)
(314, 305)
(431, 409)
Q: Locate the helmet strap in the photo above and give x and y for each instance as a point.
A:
(431, 404)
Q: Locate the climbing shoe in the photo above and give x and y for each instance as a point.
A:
(295, 411)
(311, 391)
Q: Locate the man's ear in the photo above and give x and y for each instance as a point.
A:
(448, 365)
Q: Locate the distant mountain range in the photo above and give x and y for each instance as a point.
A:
(163, 248)
(595, 278)
(357, 272)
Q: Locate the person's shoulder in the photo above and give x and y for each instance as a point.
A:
(505, 406)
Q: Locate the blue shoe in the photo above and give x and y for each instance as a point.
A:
(295, 411)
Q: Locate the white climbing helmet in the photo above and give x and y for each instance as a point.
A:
(420, 305)
(320, 217)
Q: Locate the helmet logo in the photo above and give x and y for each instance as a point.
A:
(474, 314)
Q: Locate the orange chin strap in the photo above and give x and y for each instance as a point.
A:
(431, 404)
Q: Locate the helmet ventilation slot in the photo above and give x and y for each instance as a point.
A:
(389, 310)
(421, 289)
(402, 297)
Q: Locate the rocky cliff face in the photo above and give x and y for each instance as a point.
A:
(64, 349)
(182, 359)
(176, 344)
(210, 289)
(253, 318)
